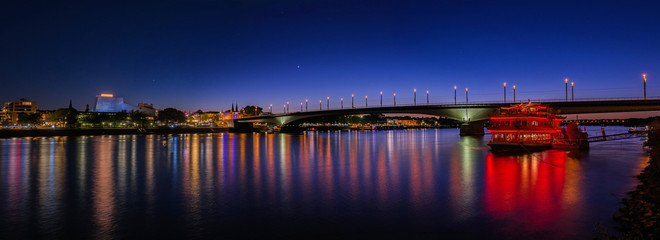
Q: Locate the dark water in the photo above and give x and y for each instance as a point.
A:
(400, 184)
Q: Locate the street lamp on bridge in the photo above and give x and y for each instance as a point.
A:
(284, 108)
(366, 104)
(306, 105)
(352, 100)
(301, 106)
(320, 105)
(287, 106)
(514, 93)
(270, 108)
(328, 106)
(381, 98)
(342, 102)
(466, 95)
(504, 92)
(566, 81)
(415, 97)
(572, 84)
(644, 76)
(427, 97)
(395, 99)
(454, 94)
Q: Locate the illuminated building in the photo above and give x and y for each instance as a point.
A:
(11, 110)
(107, 102)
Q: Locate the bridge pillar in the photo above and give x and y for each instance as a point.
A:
(236, 126)
(472, 129)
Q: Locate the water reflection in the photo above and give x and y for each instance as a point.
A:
(401, 181)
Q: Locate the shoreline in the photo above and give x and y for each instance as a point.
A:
(13, 133)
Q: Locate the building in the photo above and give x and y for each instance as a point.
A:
(147, 109)
(11, 110)
(108, 103)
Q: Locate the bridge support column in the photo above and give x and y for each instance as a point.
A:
(472, 129)
(242, 127)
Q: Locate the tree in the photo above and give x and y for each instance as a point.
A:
(29, 119)
(138, 118)
(71, 118)
(171, 115)
(58, 115)
(251, 111)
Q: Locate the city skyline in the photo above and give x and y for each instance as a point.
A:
(208, 55)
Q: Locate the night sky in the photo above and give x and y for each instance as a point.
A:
(204, 55)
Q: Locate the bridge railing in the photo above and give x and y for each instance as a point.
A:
(378, 105)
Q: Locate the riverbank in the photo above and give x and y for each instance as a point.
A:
(9, 133)
(639, 217)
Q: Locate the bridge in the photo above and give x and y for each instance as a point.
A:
(471, 115)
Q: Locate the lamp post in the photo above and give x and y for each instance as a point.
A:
(342, 103)
(415, 97)
(566, 81)
(395, 99)
(270, 108)
(572, 84)
(466, 95)
(320, 105)
(284, 108)
(427, 97)
(306, 105)
(514, 93)
(644, 76)
(366, 103)
(287, 106)
(301, 106)
(352, 100)
(504, 92)
(454, 95)
(381, 98)
(328, 106)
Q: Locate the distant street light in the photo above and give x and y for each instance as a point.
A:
(320, 105)
(566, 81)
(270, 108)
(366, 103)
(328, 106)
(284, 108)
(415, 97)
(342, 103)
(644, 76)
(454, 95)
(301, 106)
(381, 98)
(306, 105)
(427, 97)
(287, 106)
(395, 99)
(504, 92)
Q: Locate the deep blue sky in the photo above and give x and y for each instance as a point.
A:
(208, 54)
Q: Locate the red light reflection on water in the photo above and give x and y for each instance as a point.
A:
(530, 190)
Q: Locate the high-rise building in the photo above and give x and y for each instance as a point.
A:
(11, 110)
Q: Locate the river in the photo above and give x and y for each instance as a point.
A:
(423, 183)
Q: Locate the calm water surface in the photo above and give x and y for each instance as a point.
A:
(402, 183)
